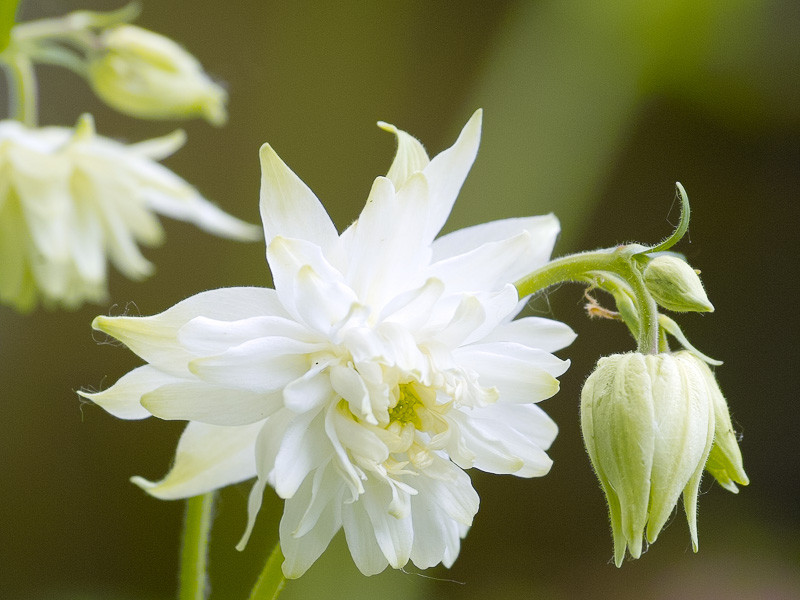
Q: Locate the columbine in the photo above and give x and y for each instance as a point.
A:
(381, 366)
(68, 197)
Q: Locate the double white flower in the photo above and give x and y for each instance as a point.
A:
(383, 363)
(68, 197)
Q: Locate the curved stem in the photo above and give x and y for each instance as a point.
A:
(194, 548)
(271, 581)
(585, 267)
(573, 267)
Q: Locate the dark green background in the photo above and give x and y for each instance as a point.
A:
(592, 111)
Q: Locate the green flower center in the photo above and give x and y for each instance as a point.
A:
(405, 411)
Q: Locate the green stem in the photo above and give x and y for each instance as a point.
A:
(585, 267)
(648, 311)
(194, 549)
(271, 581)
(22, 87)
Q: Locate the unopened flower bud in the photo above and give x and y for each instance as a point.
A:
(147, 75)
(725, 459)
(675, 285)
(648, 426)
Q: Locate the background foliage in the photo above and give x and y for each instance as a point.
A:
(593, 110)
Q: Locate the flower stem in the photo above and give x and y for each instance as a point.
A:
(22, 88)
(194, 549)
(271, 581)
(589, 267)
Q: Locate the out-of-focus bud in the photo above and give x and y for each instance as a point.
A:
(147, 75)
(725, 458)
(648, 426)
(675, 285)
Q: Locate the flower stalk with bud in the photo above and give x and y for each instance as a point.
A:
(652, 420)
(135, 71)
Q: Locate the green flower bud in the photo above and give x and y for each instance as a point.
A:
(648, 426)
(675, 285)
(147, 75)
(725, 459)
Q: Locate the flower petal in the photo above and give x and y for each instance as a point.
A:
(534, 332)
(360, 535)
(215, 405)
(204, 336)
(447, 171)
(492, 263)
(521, 375)
(155, 338)
(288, 207)
(123, 399)
(386, 246)
(208, 457)
(259, 365)
(310, 520)
(410, 158)
(304, 447)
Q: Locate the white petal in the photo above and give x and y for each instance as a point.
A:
(394, 535)
(309, 392)
(495, 263)
(194, 208)
(521, 375)
(387, 247)
(491, 444)
(360, 535)
(266, 448)
(349, 385)
(410, 158)
(123, 399)
(543, 230)
(534, 332)
(155, 338)
(208, 457)
(199, 401)
(448, 170)
(310, 288)
(304, 447)
(318, 501)
(288, 207)
(451, 489)
(260, 365)
(204, 336)
(413, 308)
(161, 147)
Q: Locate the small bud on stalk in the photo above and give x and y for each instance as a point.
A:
(147, 75)
(675, 285)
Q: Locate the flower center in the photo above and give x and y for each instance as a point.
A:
(405, 411)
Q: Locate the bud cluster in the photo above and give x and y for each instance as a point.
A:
(651, 423)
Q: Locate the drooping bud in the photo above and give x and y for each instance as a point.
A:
(675, 285)
(648, 426)
(147, 75)
(725, 459)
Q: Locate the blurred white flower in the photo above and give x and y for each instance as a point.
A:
(381, 366)
(68, 197)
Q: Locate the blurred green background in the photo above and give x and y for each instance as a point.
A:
(592, 111)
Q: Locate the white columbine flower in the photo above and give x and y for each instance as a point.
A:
(68, 197)
(382, 365)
